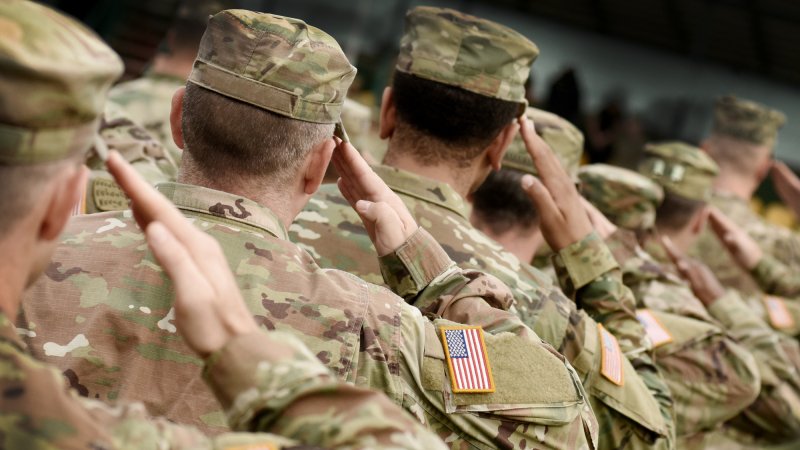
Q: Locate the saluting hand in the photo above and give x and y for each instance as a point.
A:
(744, 249)
(385, 216)
(564, 219)
(787, 185)
(209, 310)
(701, 279)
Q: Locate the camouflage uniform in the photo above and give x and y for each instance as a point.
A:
(264, 381)
(148, 101)
(754, 124)
(332, 233)
(112, 301)
(687, 171)
(712, 377)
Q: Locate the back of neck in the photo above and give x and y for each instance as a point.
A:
(462, 180)
(731, 183)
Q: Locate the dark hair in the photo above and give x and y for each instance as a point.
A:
(676, 211)
(227, 137)
(459, 122)
(501, 204)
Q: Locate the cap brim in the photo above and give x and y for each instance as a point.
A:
(340, 132)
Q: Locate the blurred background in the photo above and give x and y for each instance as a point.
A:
(623, 71)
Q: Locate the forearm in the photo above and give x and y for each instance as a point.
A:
(422, 273)
(272, 383)
(776, 278)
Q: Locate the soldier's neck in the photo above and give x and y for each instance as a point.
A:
(173, 65)
(462, 180)
(735, 184)
(281, 204)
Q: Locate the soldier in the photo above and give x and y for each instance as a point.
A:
(450, 115)
(147, 100)
(501, 209)
(741, 143)
(266, 381)
(686, 173)
(774, 277)
(257, 145)
(704, 353)
(710, 376)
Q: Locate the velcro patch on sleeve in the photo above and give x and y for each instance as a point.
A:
(108, 196)
(779, 315)
(467, 359)
(611, 362)
(655, 330)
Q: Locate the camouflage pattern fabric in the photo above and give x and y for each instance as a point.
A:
(148, 101)
(627, 198)
(102, 314)
(776, 278)
(712, 377)
(331, 232)
(778, 242)
(467, 52)
(290, 68)
(775, 415)
(564, 139)
(746, 120)
(137, 146)
(680, 168)
(267, 382)
(48, 113)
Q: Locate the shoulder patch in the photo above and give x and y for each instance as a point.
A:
(611, 362)
(777, 312)
(467, 359)
(656, 331)
(108, 196)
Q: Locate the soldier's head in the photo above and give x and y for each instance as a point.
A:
(261, 106)
(458, 85)
(626, 198)
(743, 136)
(686, 174)
(56, 74)
(501, 208)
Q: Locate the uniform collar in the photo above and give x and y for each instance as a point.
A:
(425, 189)
(223, 207)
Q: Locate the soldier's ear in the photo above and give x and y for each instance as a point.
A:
(69, 187)
(316, 165)
(176, 116)
(497, 148)
(388, 114)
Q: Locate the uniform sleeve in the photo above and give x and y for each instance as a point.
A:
(776, 278)
(777, 408)
(290, 393)
(588, 273)
(273, 383)
(424, 275)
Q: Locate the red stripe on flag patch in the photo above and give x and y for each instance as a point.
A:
(467, 359)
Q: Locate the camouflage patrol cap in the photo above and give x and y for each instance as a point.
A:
(746, 120)
(55, 77)
(460, 50)
(627, 198)
(680, 168)
(564, 139)
(275, 63)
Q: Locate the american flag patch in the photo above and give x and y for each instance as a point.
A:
(779, 315)
(657, 333)
(467, 359)
(611, 363)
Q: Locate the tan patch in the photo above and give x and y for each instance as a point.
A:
(11, 30)
(611, 363)
(108, 196)
(777, 312)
